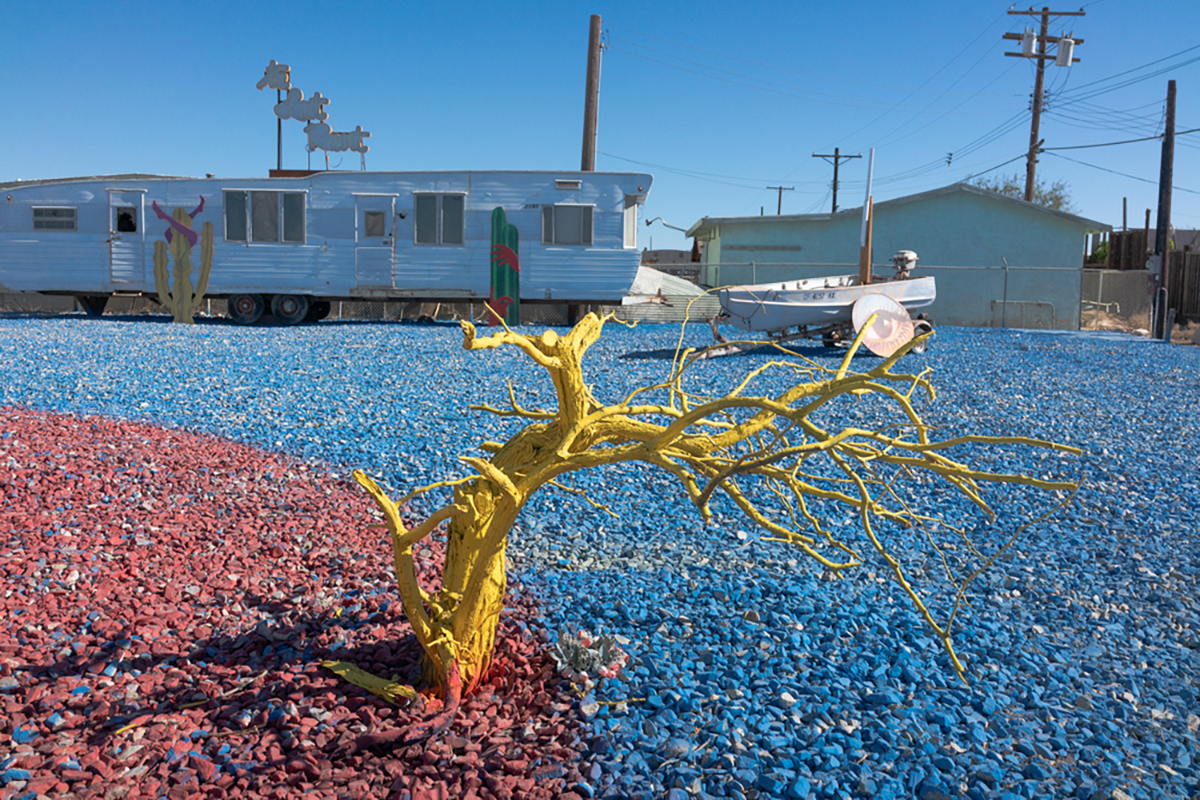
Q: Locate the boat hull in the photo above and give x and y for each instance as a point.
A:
(816, 302)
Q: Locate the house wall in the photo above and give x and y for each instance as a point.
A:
(962, 240)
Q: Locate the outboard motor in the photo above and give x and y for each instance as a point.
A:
(904, 262)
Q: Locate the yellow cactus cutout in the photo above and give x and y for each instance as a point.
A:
(710, 444)
(181, 298)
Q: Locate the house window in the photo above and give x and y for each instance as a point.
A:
(54, 219)
(567, 224)
(374, 224)
(263, 216)
(439, 218)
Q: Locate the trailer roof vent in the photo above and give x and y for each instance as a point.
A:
(568, 184)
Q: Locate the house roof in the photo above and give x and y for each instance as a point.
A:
(706, 224)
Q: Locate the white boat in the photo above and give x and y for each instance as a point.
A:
(825, 308)
(815, 302)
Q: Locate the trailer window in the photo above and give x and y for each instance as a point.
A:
(374, 224)
(567, 225)
(54, 219)
(440, 218)
(269, 214)
(264, 216)
(235, 216)
(293, 217)
(126, 219)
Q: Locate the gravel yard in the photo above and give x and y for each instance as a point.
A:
(186, 535)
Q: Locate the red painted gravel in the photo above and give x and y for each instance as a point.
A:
(167, 599)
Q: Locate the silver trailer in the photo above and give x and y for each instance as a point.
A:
(293, 244)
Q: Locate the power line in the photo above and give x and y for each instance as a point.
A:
(1122, 174)
(783, 69)
(758, 83)
(1110, 144)
(1135, 69)
(1071, 99)
(712, 176)
(993, 169)
(926, 81)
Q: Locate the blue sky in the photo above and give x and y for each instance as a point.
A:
(717, 100)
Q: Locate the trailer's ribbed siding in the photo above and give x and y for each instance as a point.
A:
(325, 264)
(72, 263)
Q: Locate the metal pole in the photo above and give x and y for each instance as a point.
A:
(1162, 242)
(1031, 163)
(278, 134)
(591, 100)
(1004, 303)
(862, 237)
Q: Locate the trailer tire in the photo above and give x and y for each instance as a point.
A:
(920, 328)
(246, 309)
(317, 311)
(93, 305)
(289, 309)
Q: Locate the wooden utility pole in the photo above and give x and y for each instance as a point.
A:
(864, 252)
(591, 100)
(1124, 214)
(1040, 52)
(1162, 241)
(782, 189)
(837, 159)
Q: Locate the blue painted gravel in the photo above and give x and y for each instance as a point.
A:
(754, 676)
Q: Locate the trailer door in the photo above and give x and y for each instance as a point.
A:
(374, 239)
(126, 235)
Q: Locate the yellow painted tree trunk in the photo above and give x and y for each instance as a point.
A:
(709, 445)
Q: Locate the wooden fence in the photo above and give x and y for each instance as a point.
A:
(1183, 284)
(1127, 250)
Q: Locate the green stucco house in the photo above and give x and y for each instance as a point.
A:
(962, 234)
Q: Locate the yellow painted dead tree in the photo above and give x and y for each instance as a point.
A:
(721, 444)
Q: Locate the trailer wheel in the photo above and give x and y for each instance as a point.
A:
(318, 310)
(920, 328)
(289, 309)
(246, 309)
(92, 304)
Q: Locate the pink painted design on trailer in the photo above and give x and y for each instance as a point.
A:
(187, 233)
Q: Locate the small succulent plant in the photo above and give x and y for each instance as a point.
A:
(582, 657)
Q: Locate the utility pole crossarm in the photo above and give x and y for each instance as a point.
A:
(782, 189)
(838, 158)
(1016, 37)
(1035, 12)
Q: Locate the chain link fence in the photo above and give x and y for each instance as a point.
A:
(1115, 300)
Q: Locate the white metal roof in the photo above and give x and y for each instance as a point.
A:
(707, 223)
